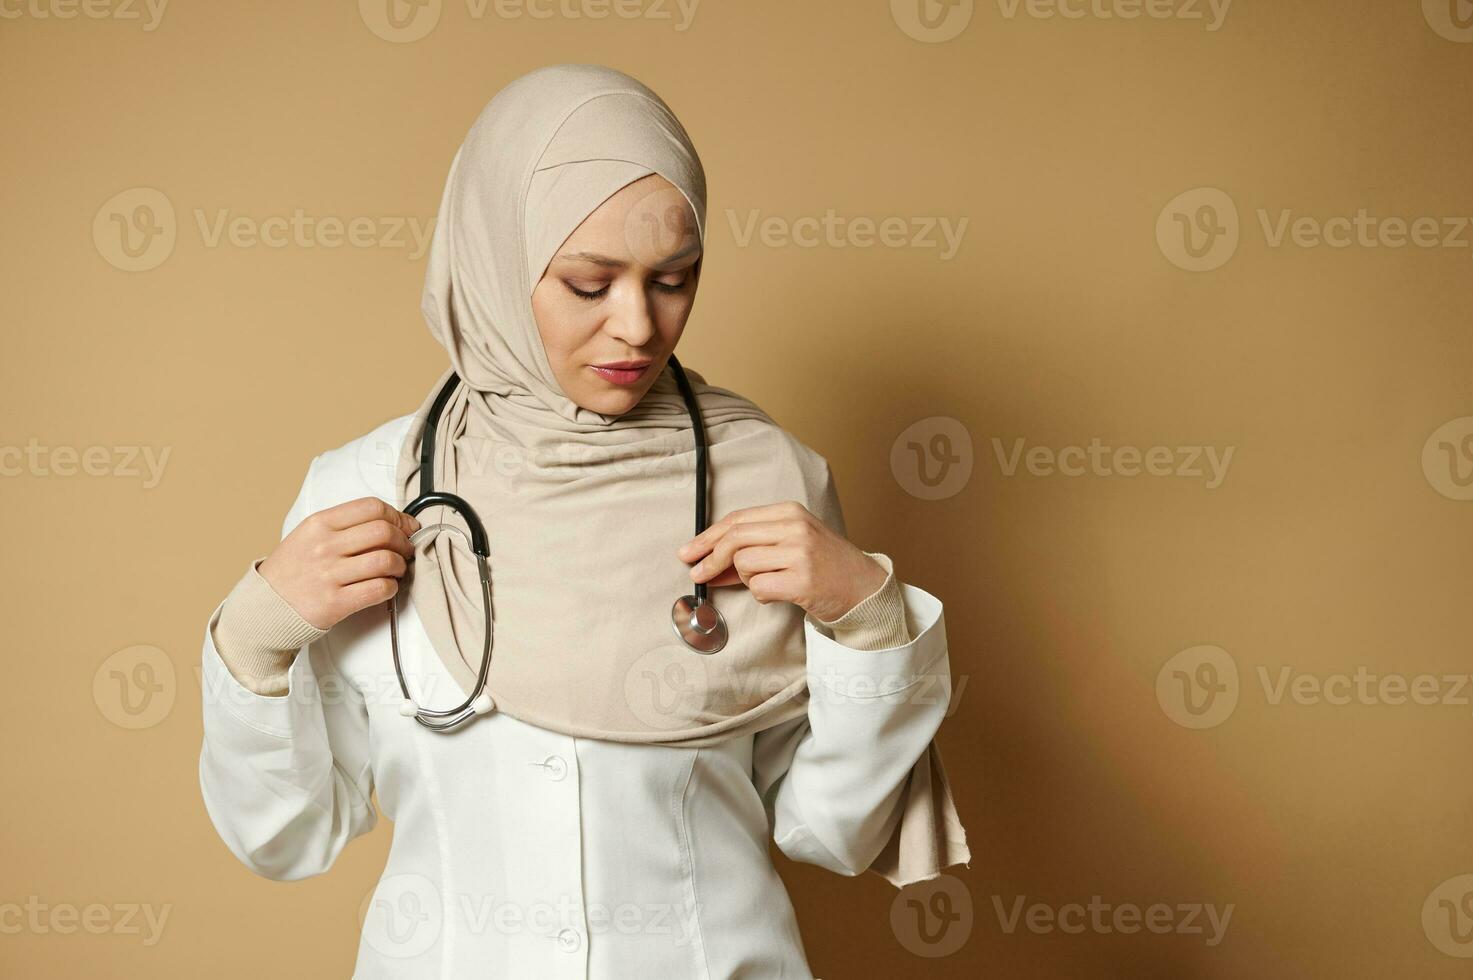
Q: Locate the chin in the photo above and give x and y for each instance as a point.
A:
(612, 402)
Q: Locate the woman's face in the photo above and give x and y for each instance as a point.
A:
(618, 292)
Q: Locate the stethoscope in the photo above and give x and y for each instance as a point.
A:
(695, 618)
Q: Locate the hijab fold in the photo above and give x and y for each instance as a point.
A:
(584, 511)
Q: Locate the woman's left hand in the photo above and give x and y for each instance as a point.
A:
(782, 552)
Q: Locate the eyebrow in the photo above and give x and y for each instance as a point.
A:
(604, 260)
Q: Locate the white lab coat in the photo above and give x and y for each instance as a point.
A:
(524, 853)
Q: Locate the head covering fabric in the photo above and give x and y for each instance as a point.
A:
(584, 511)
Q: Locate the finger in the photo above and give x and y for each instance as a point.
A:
(407, 522)
(729, 577)
(367, 566)
(361, 595)
(372, 536)
(751, 561)
(776, 586)
(737, 537)
(365, 509)
(703, 542)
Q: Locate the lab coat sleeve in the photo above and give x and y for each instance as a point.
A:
(286, 780)
(832, 780)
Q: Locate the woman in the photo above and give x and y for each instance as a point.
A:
(607, 811)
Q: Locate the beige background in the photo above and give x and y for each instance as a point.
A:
(1328, 548)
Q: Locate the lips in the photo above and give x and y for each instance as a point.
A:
(621, 372)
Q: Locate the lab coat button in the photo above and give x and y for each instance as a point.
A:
(555, 768)
(568, 940)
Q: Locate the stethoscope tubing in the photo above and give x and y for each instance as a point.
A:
(705, 629)
(446, 719)
(698, 426)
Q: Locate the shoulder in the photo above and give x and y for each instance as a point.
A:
(725, 407)
(811, 471)
(795, 469)
(806, 464)
(363, 467)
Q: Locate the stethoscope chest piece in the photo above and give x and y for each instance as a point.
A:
(699, 624)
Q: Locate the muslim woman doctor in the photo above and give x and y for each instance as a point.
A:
(610, 815)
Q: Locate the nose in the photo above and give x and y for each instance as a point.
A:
(629, 319)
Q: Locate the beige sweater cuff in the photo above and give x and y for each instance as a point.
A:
(877, 622)
(258, 634)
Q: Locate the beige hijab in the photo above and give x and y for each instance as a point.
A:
(584, 511)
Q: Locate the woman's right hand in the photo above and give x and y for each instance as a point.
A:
(342, 559)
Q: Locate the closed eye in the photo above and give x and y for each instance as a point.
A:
(664, 287)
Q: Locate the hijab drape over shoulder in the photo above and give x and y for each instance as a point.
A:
(584, 511)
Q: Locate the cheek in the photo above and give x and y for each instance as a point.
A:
(671, 314)
(565, 324)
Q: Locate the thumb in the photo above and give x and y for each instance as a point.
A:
(407, 523)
